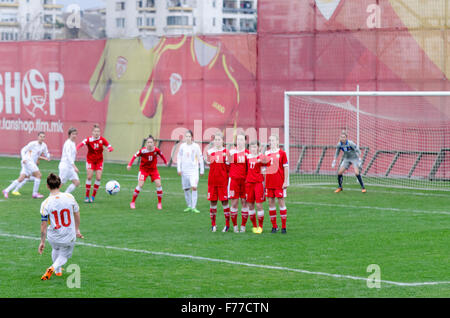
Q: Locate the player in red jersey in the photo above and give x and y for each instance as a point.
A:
(94, 160)
(277, 172)
(254, 187)
(149, 159)
(236, 187)
(217, 158)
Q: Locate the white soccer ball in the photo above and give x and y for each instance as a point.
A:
(112, 187)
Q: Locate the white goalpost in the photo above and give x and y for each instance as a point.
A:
(404, 136)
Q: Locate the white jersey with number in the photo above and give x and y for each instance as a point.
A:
(58, 210)
(68, 155)
(189, 159)
(33, 150)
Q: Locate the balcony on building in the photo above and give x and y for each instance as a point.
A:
(9, 20)
(236, 7)
(248, 25)
(146, 23)
(179, 5)
(178, 25)
(230, 6)
(9, 3)
(229, 25)
(248, 7)
(146, 6)
(51, 5)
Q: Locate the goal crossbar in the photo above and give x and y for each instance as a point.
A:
(438, 156)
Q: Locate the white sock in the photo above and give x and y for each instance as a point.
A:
(12, 185)
(20, 185)
(55, 254)
(70, 188)
(188, 197)
(194, 198)
(59, 262)
(37, 182)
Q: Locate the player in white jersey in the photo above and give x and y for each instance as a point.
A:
(15, 191)
(30, 154)
(68, 171)
(60, 224)
(189, 160)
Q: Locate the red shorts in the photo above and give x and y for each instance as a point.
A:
(237, 189)
(254, 192)
(275, 193)
(94, 166)
(154, 175)
(217, 193)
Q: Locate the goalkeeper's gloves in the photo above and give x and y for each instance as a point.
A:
(333, 163)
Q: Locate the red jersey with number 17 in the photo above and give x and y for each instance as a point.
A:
(218, 167)
(95, 148)
(254, 165)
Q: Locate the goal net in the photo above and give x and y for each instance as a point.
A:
(404, 137)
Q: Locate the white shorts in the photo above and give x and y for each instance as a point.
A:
(347, 162)
(65, 249)
(28, 168)
(67, 173)
(189, 181)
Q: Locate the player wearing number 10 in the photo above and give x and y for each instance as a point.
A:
(61, 213)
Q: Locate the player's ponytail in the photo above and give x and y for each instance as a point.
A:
(53, 181)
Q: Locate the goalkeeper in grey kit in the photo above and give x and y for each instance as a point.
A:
(352, 156)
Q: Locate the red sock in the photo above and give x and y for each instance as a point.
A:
(260, 218)
(283, 215)
(253, 218)
(273, 217)
(88, 189)
(212, 214)
(94, 192)
(244, 215)
(135, 195)
(159, 193)
(226, 212)
(234, 215)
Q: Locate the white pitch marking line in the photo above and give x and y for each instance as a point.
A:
(371, 208)
(429, 194)
(236, 263)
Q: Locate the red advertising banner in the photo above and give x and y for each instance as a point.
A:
(132, 88)
(44, 87)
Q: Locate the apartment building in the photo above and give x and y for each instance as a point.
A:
(30, 20)
(131, 18)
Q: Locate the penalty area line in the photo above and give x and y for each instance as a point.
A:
(229, 262)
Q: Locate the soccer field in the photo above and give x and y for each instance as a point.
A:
(330, 242)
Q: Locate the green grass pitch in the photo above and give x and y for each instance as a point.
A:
(330, 242)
